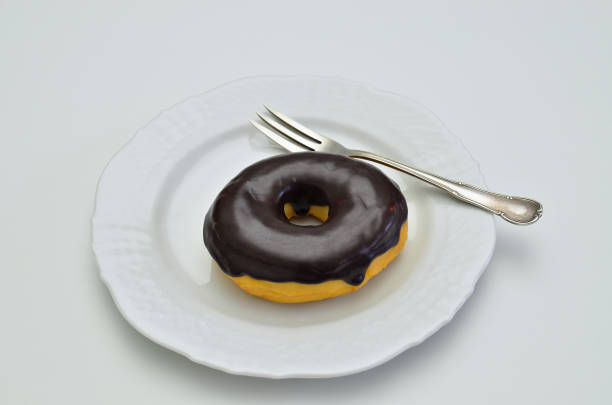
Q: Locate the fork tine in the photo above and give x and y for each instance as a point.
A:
(297, 126)
(281, 140)
(289, 133)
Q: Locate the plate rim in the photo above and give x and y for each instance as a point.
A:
(282, 375)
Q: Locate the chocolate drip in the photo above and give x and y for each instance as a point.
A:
(246, 230)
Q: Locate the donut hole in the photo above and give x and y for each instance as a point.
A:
(315, 216)
(305, 205)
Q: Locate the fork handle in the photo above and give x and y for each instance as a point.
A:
(517, 210)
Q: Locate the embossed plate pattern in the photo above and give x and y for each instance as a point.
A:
(150, 206)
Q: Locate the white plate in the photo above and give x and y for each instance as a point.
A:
(153, 195)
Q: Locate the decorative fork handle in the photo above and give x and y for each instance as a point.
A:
(517, 210)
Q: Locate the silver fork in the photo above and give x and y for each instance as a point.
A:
(297, 138)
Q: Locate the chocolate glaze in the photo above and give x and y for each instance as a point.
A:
(246, 231)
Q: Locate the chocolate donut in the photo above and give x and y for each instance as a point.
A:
(248, 233)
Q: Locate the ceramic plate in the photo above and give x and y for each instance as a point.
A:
(153, 195)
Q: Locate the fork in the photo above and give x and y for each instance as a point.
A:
(295, 137)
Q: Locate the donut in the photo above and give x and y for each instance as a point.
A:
(248, 231)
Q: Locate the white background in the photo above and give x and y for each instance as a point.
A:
(526, 85)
